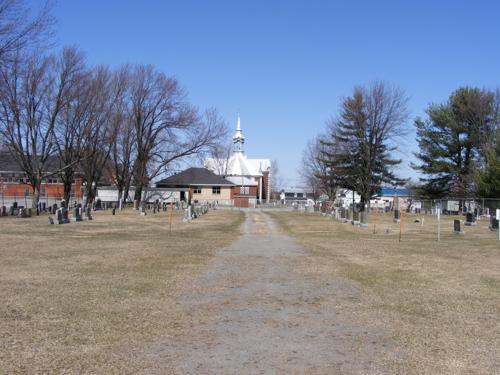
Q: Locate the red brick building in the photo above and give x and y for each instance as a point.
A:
(14, 184)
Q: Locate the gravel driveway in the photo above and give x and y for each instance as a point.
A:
(249, 313)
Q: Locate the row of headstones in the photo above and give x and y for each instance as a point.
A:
(19, 211)
(345, 215)
(156, 207)
(193, 212)
(62, 213)
(458, 225)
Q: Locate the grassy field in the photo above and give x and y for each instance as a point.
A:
(86, 297)
(439, 301)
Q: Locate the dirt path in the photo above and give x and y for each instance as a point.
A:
(250, 314)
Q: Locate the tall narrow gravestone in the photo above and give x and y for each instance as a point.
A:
(60, 219)
(355, 218)
(88, 212)
(493, 223)
(396, 216)
(187, 214)
(458, 226)
(363, 219)
(77, 212)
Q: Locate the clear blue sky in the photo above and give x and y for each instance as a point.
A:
(285, 65)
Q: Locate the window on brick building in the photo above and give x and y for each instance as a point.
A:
(215, 189)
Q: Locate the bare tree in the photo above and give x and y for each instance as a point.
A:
(19, 31)
(276, 181)
(314, 171)
(167, 127)
(220, 156)
(99, 134)
(32, 95)
(70, 125)
(124, 146)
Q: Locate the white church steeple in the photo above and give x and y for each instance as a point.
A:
(238, 138)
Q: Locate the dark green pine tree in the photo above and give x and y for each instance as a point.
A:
(452, 142)
(488, 180)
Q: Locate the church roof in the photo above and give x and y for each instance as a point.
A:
(194, 176)
(238, 164)
(242, 181)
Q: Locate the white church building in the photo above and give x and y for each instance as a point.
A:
(251, 176)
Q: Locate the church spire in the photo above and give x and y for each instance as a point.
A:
(238, 138)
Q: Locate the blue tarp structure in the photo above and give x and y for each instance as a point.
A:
(390, 192)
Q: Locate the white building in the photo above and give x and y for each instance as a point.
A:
(251, 175)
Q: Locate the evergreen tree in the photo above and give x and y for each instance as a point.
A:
(453, 141)
(488, 180)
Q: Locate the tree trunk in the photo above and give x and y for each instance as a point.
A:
(138, 194)
(36, 194)
(67, 182)
(125, 193)
(120, 195)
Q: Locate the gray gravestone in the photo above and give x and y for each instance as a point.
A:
(363, 218)
(396, 216)
(355, 218)
(4, 211)
(77, 213)
(88, 212)
(458, 226)
(187, 214)
(60, 216)
(50, 221)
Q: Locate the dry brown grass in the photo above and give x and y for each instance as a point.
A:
(86, 297)
(441, 301)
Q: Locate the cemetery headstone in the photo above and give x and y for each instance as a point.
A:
(14, 204)
(60, 219)
(458, 226)
(77, 212)
(88, 212)
(396, 216)
(114, 211)
(363, 218)
(187, 214)
(50, 221)
(355, 218)
(4, 211)
(44, 206)
(470, 219)
(493, 223)
(143, 209)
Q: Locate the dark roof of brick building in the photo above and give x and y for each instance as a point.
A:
(193, 177)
